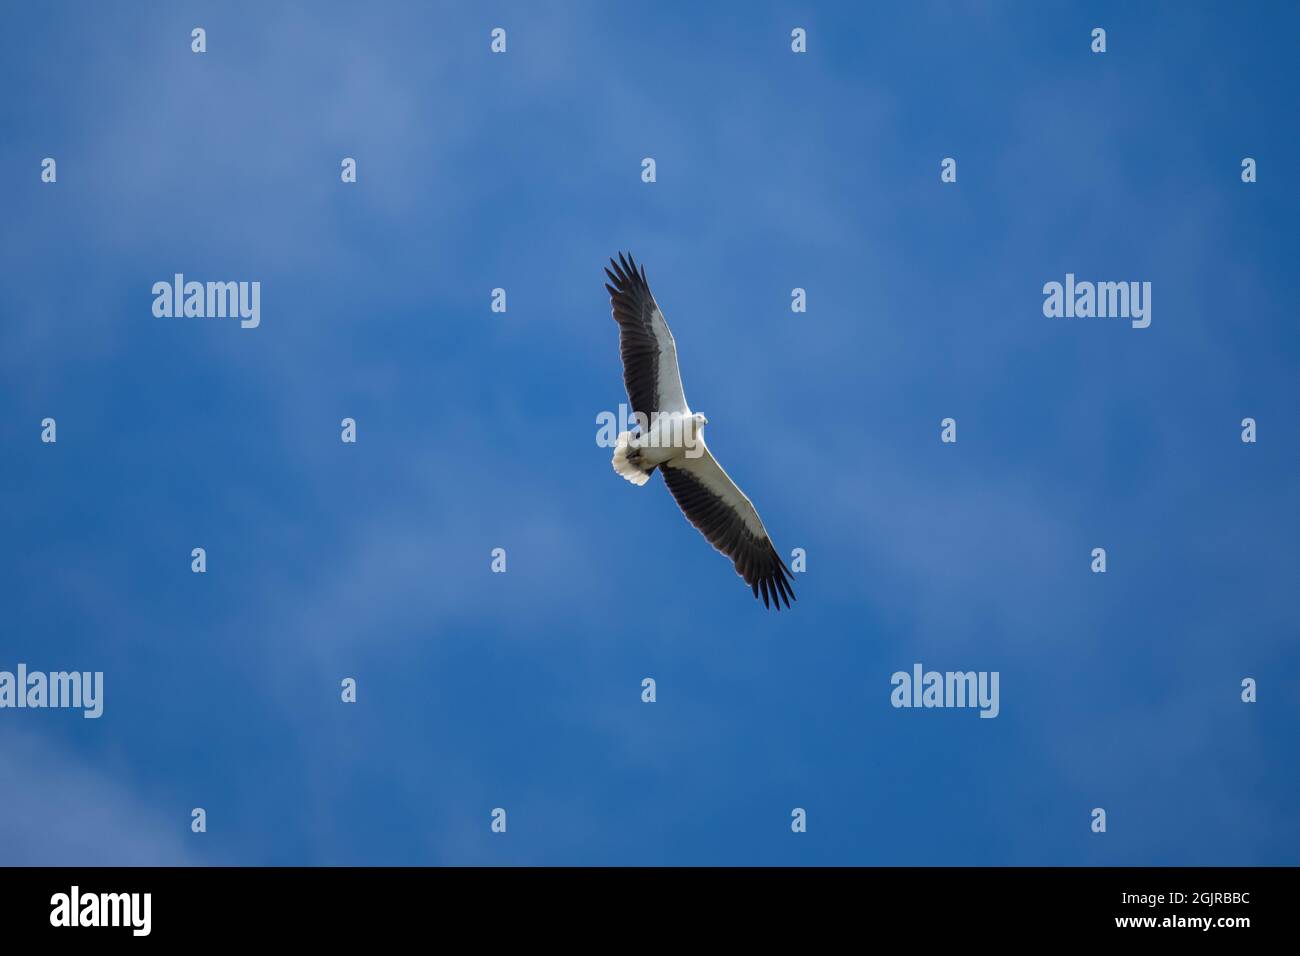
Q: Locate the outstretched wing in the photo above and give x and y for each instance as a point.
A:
(654, 385)
(722, 513)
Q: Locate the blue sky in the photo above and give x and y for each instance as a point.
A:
(476, 431)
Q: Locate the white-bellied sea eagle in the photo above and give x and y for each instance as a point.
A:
(670, 437)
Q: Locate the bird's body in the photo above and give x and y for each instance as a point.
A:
(670, 438)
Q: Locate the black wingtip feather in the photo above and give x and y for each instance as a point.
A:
(780, 589)
(627, 272)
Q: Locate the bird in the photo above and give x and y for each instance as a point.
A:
(670, 438)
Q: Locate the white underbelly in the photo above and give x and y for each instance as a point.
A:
(669, 437)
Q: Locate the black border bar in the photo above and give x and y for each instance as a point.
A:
(336, 904)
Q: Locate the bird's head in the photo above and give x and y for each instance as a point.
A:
(700, 420)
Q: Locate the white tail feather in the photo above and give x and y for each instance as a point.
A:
(628, 469)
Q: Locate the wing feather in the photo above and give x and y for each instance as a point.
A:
(719, 509)
(649, 353)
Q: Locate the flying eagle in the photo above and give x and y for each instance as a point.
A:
(670, 437)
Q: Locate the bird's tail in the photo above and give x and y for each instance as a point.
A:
(626, 461)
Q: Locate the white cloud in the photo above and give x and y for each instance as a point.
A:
(61, 810)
